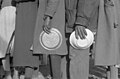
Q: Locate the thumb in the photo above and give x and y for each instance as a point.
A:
(47, 21)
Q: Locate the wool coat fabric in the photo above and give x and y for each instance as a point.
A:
(55, 9)
(24, 30)
(86, 15)
(107, 50)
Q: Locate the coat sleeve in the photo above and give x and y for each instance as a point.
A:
(85, 9)
(51, 7)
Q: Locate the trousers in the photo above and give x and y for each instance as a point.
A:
(79, 63)
(58, 66)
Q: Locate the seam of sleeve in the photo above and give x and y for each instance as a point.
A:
(82, 21)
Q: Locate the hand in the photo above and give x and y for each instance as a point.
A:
(46, 26)
(80, 32)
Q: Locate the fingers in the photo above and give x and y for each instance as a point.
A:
(46, 26)
(80, 32)
(76, 33)
(84, 31)
(46, 29)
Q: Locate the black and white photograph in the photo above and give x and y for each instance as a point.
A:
(59, 39)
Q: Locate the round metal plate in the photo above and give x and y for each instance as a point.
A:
(52, 40)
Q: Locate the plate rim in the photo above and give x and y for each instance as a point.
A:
(75, 46)
(57, 46)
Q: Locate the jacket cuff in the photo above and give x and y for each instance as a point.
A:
(45, 17)
(81, 21)
(49, 13)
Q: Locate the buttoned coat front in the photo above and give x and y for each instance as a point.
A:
(55, 9)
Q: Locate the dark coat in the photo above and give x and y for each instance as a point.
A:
(24, 30)
(55, 9)
(108, 33)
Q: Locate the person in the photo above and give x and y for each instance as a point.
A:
(107, 40)
(7, 25)
(50, 16)
(80, 14)
(23, 58)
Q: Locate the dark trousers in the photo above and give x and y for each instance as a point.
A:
(58, 65)
(55, 66)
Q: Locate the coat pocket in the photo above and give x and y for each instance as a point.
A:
(111, 12)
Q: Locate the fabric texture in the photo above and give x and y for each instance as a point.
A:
(56, 66)
(7, 25)
(58, 22)
(107, 50)
(79, 63)
(6, 3)
(24, 30)
(83, 12)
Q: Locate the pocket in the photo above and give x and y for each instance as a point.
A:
(110, 8)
